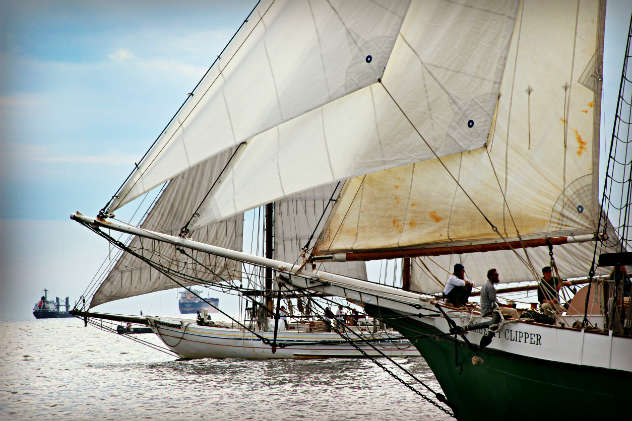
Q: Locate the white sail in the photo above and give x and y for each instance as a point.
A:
(131, 276)
(536, 176)
(299, 218)
(288, 57)
(326, 90)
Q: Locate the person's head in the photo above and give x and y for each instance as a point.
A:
(459, 270)
(547, 272)
(339, 307)
(282, 307)
(492, 275)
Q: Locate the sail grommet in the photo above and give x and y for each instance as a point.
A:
(369, 58)
(470, 123)
(580, 209)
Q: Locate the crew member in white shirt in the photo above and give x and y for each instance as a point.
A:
(458, 288)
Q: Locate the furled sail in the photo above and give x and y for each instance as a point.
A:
(300, 217)
(325, 90)
(130, 276)
(537, 175)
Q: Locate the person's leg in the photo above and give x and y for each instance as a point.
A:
(456, 297)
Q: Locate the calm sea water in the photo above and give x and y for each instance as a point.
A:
(58, 369)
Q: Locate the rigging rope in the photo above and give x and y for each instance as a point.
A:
(611, 169)
(220, 74)
(344, 333)
(184, 231)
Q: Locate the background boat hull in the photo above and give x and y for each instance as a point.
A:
(50, 314)
(193, 341)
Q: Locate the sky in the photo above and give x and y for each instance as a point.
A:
(85, 87)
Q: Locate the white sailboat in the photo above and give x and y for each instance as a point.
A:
(466, 132)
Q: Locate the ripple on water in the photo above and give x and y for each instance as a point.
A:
(105, 376)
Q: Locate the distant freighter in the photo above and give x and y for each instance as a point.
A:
(45, 309)
(189, 303)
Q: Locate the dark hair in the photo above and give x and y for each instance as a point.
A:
(546, 269)
(458, 268)
(490, 273)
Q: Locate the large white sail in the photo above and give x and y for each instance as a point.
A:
(536, 176)
(325, 90)
(287, 58)
(131, 276)
(299, 219)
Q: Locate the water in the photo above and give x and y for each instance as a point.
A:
(57, 369)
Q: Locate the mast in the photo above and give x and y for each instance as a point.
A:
(406, 273)
(269, 229)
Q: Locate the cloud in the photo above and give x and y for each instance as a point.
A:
(21, 100)
(122, 54)
(40, 153)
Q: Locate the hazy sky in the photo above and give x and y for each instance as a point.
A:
(85, 87)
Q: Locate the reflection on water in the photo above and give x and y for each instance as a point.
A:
(57, 369)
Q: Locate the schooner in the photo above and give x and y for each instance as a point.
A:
(465, 132)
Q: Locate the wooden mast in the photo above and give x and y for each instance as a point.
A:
(406, 273)
(269, 247)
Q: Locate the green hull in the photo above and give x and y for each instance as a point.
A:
(511, 387)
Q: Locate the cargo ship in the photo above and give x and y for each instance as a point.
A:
(190, 302)
(49, 309)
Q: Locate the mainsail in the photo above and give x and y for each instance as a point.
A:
(325, 90)
(132, 276)
(537, 175)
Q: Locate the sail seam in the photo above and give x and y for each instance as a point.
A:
(344, 25)
(377, 129)
(320, 50)
(344, 217)
(528, 263)
(271, 69)
(326, 144)
(410, 189)
(567, 103)
(435, 78)
(278, 162)
(510, 108)
(456, 189)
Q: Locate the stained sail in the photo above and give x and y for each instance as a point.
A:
(299, 219)
(537, 175)
(131, 276)
(325, 90)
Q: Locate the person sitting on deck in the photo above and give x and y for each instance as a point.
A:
(328, 315)
(549, 291)
(283, 316)
(488, 299)
(340, 316)
(488, 293)
(458, 288)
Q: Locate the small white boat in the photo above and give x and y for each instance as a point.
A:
(191, 340)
